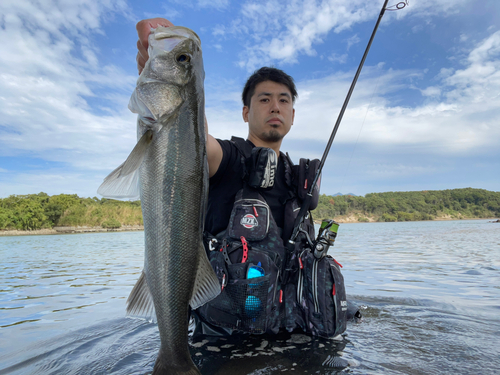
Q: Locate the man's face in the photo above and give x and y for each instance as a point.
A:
(270, 115)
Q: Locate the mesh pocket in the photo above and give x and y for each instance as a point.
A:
(246, 300)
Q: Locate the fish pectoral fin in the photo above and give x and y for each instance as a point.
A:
(136, 157)
(140, 302)
(123, 182)
(126, 187)
(206, 285)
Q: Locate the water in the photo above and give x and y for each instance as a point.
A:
(431, 292)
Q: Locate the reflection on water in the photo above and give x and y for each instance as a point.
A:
(430, 290)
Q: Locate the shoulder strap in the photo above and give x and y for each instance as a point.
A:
(243, 146)
(289, 170)
(245, 150)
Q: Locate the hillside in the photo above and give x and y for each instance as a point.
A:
(40, 211)
(465, 203)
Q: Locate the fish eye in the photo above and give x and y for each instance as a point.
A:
(183, 58)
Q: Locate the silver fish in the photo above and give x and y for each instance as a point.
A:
(168, 166)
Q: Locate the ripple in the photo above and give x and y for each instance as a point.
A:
(428, 310)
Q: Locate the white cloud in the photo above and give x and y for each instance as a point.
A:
(50, 181)
(459, 115)
(171, 13)
(217, 4)
(466, 120)
(219, 30)
(445, 73)
(59, 102)
(427, 8)
(479, 82)
(352, 41)
(336, 58)
(48, 77)
(398, 169)
(279, 32)
(302, 24)
(431, 91)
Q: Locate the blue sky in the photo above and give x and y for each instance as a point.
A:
(425, 114)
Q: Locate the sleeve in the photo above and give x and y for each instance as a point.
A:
(229, 163)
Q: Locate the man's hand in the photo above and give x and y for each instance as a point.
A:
(143, 30)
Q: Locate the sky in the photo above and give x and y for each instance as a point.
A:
(424, 115)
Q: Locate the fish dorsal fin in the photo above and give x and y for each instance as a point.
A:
(123, 182)
(206, 285)
(140, 302)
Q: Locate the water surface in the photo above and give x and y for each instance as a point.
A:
(430, 291)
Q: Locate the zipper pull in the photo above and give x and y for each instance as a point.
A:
(337, 263)
(245, 249)
(255, 211)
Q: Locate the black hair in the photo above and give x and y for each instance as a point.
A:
(267, 74)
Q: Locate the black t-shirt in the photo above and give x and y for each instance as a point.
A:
(227, 181)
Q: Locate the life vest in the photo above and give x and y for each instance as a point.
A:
(264, 286)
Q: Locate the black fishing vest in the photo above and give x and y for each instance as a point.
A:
(264, 286)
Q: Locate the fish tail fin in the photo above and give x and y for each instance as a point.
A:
(162, 367)
(206, 286)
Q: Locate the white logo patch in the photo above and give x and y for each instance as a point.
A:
(249, 221)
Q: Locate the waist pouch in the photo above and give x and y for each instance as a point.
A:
(250, 247)
(321, 296)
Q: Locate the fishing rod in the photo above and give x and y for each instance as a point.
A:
(307, 201)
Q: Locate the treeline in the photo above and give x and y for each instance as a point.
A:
(40, 211)
(466, 203)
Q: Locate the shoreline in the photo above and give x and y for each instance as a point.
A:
(371, 221)
(70, 230)
(134, 228)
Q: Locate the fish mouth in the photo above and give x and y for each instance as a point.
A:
(148, 119)
(176, 34)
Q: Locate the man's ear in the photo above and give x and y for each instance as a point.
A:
(244, 113)
(293, 116)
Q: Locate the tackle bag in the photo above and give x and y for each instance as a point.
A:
(321, 295)
(247, 259)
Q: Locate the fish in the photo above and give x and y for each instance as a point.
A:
(168, 170)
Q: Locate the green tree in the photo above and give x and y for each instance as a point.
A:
(7, 218)
(29, 214)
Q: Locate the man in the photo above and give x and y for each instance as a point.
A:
(268, 99)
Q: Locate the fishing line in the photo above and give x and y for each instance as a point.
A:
(359, 134)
